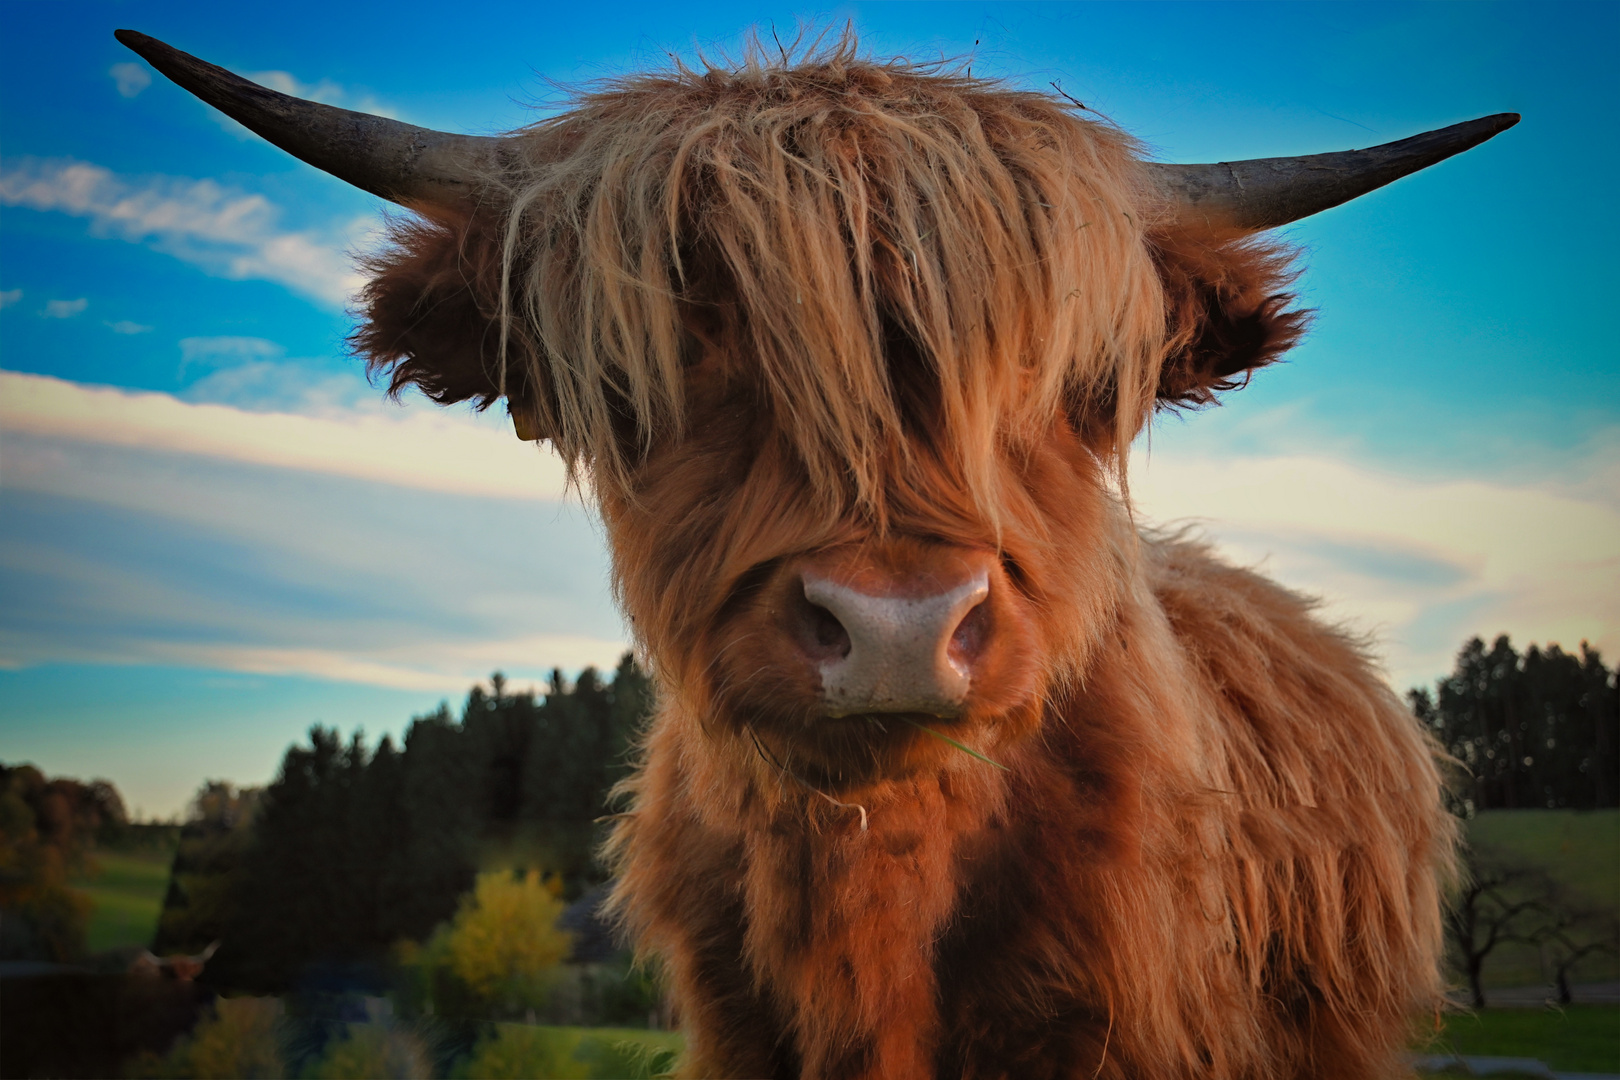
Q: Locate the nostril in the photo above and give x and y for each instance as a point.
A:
(968, 639)
(829, 632)
(821, 634)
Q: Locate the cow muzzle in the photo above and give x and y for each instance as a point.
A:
(885, 642)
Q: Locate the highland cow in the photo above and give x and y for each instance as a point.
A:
(956, 771)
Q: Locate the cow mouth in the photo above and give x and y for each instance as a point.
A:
(888, 721)
(833, 753)
(948, 730)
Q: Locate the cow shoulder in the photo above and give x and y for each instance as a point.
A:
(1329, 790)
(1303, 714)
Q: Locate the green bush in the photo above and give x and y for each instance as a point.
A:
(245, 1039)
(373, 1052)
(498, 957)
(521, 1052)
(514, 1051)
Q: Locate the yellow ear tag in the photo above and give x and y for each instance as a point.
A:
(526, 428)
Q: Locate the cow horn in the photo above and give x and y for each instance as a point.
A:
(423, 168)
(413, 166)
(1262, 193)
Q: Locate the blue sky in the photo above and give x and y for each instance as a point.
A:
(213, 533)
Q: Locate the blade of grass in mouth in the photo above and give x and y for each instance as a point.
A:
(965, 749)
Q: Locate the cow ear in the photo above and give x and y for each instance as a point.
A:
(429, 318)
(1227, 310)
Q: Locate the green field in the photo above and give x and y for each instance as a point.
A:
(1584, 1038)
(1580, 849)
(126, 892)
(575, 1053)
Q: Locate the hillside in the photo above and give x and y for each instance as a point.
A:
(1578, 848)
(126, 893)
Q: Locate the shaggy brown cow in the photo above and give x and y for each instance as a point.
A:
(956, 772)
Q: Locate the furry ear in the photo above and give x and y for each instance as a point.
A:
(1226, 305)
(430, 318)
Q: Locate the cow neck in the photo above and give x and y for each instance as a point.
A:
(844, 920)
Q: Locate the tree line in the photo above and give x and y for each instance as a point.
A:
(353, 849)
(1533, 730)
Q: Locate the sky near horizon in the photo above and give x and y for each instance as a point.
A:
(214, 533)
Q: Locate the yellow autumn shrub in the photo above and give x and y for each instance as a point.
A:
(501, 946)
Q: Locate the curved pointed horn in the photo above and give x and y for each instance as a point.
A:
(1262, 193)
(413, 166)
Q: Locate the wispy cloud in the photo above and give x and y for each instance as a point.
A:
(416, 447)
(9, 297)
(1419, 563)
(131, 78)
(430, 666)
(126, 326)
(226, 231)
(215, 352)
(121, 555)
(303, 387)
(64, 309)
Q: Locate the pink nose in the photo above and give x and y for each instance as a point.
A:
(894, 653)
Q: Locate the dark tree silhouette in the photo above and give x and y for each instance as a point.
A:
(352, 850)
(206, 865)
(1539, 729)
(1573, 934)
(1498, 902)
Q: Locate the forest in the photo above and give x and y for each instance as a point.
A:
(1527, 730)
(354, 848)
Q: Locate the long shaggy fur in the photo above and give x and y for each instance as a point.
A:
(875, 311)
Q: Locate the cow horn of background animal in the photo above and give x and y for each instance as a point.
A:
(413, 166)
(1262, 193)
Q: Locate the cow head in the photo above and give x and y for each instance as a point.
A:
(850, 355)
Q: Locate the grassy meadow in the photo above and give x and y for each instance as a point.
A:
(515, 1051)
(126, 893)
(1581, 1038)
(1578, 848)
